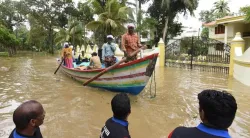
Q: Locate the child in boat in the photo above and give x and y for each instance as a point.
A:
(95, 62)
(217, 111)
(117, 126)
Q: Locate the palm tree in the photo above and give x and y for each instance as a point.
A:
(246, 10)
(179, 6)
(221, 9)
(73, 33)
(111, 17)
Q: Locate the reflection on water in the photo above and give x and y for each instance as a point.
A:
(76, 111)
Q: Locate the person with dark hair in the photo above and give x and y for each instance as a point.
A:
(217, 111)
(95, 62)
(27, 118)
(131, 43)
(67, 56)
(117, 126)
(108, 52)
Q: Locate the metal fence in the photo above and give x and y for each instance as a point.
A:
(198, 53)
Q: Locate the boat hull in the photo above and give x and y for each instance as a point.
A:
(130, 77)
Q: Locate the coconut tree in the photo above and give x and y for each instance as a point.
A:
(72, 33)
(221, 8)
(172, 8)
(246, 10)
(111, 17)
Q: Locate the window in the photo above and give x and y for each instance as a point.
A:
(220, 29)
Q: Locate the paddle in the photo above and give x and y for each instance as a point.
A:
(59, 66)
(110, 68)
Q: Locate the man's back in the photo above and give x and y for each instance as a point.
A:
(96, 62)
(201, 131)
(115, 128)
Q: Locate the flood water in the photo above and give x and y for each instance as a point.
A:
(74, 111)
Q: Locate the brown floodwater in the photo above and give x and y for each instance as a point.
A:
(74, 111)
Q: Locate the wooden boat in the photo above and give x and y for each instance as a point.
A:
(129, 77)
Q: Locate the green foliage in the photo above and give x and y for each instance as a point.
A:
(207, 16)
(165, 11)
(9, 15)
(7, 39)
(221, 9)
(205, 32)
(246, 11)
(111, 18)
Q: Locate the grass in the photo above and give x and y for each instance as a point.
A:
(4, 54)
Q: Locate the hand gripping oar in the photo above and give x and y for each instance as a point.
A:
(59, 66)
(111, 67)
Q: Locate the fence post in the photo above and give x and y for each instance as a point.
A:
(161, 46)
(239, 44)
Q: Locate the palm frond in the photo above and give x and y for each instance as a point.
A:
(94, 25)
(111, 23)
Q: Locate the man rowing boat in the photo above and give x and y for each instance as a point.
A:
(131, 42)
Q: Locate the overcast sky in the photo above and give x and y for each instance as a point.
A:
(194, 22)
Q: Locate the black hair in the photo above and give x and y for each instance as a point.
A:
(22, 117)
(94, 54)
(121, 106)
(219, 107)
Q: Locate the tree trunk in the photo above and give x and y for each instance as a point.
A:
(165, 30)
(10, 52)
(50, 39)
(14, 50)
(84, 36)
(138, 10)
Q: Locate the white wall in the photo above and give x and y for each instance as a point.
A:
(215, 36)
(230, 31)
(242, 74)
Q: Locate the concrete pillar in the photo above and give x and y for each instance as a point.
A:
(161, 46)
(237, 47)
(226, 33)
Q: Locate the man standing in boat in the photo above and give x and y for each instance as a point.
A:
(108, 52)
(131, 42)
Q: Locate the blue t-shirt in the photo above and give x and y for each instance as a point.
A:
(15, 134)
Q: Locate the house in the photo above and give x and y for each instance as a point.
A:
(224, 29)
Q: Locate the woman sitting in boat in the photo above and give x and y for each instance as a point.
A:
(95, 62)
(108, 52)
(67, 56)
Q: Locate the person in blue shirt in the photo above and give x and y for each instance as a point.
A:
(108, 52)
(27, 118)
(217, 111)
(117, 126)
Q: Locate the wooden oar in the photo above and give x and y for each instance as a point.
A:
(110, 68)
(59, 66)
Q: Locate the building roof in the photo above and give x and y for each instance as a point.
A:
(209, 24)
(226, 19)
